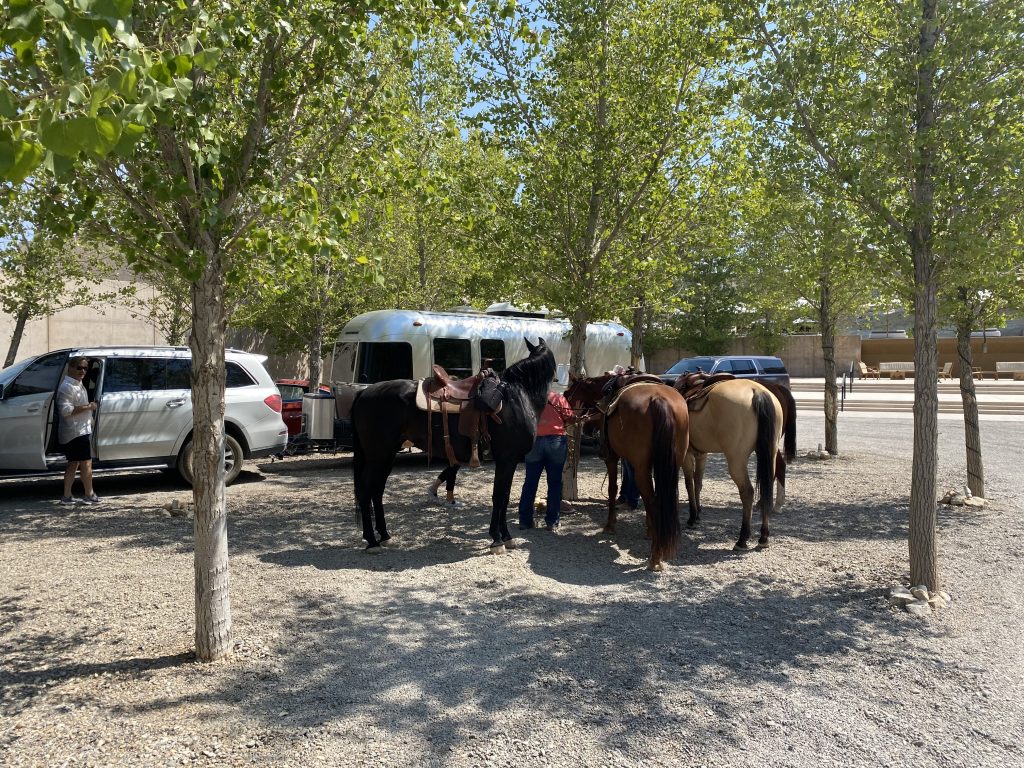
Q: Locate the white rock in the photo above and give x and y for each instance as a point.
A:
(956, 500)
(919, 608)
(901, 600)
(974, 501)
(920, 592)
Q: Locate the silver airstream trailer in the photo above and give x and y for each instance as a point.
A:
(405, 344)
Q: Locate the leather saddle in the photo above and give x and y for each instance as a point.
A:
(616, 385)
(695, 387)
(442, 394)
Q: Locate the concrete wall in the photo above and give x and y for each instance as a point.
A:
(113, 324)
(801, 354)
(985, 353)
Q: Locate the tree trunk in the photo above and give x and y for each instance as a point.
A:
(636, 351)
(316, 347)
(972, 425)
(212, 576)
(923, 544)
(577, 365)
(19, 331)
(828, 353)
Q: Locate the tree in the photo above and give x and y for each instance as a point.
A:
(805, 245)
(610, 111)
(233, 89)
(902, 104)
(44, 268)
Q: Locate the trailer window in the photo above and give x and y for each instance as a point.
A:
(493, 350)
(384, 361)
(344, 364)
(454, 356)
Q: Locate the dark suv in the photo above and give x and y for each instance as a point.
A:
(761, 368)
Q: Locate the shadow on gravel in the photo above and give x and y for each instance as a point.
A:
(446, 671)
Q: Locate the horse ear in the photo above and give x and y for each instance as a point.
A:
(541, 342)
(529, 346)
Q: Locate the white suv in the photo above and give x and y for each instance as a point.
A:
(144, 418)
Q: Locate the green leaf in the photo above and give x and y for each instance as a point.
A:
(57, 138)
(18, 158)
(115, 10)
(95, 135)
(130, 135)
(58, 165)
(8, 107)
(207, 58)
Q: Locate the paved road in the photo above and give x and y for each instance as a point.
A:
(996, 399)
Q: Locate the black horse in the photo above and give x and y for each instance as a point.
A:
(385, 415)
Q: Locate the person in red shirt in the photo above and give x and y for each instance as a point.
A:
(550, 449)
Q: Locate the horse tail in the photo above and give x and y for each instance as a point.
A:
(789, 417)
(665, 530)
(763, 444)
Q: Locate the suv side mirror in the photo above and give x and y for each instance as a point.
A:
(3, 391)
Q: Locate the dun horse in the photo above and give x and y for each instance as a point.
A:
(385, 415)
(735, 417)
(646, 424)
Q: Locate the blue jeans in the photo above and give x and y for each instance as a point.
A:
(628, 492)
(548, 455)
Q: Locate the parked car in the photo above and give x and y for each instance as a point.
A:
(292, 391)
(144, 418)
(761, 368)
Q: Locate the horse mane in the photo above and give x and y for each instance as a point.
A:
(534, 374)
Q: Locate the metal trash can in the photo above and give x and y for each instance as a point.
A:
(318, 416)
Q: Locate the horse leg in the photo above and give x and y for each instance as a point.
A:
(612, 463)
(501, 539)
(740, 476)
(644, 484)
(689, 475)
(377, 498)
(780, 476)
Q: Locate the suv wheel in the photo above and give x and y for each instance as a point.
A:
(233, 458)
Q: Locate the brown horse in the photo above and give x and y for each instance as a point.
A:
(735, 417)
(646, 424)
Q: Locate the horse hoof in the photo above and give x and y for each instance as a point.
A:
(761, 546)
(385, 541)
(510, 543)
(656, 567)
(373, 549)
(497, 547)
(741, 546)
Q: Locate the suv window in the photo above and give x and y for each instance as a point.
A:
(384, 361)
(290, 392)
(773, 365)
(125, 374)
(738, 366)
(454, 356)
(238, 377)
(150, 374)
(40, 377)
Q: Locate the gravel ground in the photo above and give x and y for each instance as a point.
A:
(564, 652)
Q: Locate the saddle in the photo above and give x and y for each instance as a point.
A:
(442, 394)
(618, 384)
(695, 387)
